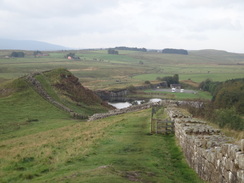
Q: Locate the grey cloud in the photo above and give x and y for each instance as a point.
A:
(134, 22)
(54, 8)
(216, 25)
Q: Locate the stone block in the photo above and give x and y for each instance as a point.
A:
(242, 145)
(230, 166)
(232, 150)
(225, 149)
(240, 176)
(232, 177)
(239, 161)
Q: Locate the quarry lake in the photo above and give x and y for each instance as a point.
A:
(121, 105)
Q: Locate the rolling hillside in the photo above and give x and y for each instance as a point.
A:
(22, 106)
(39, 142)
(97, 69)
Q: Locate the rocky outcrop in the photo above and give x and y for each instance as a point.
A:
(122, 93)
(110, 95)
(36, 85)
(208, 152)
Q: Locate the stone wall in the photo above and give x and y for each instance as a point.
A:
(208, 152)
(122, 111)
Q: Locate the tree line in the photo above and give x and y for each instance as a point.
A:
(17, 54)
(175, 51)
(131, 49)
(113, 51)
(227, 105)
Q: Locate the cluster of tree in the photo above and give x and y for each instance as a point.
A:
(224, 117)
(131, 49)
(36, 53)
(227, 104)
(112, 51)
(175, 51)
(226, 94)
(72, 56)
(170, 79)
(17, 54)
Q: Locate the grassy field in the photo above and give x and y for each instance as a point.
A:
(40, 143)
(200, 95)
(99, 70)
(197, 73)
(116, 149)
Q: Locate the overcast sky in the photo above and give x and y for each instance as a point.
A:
(158, 24)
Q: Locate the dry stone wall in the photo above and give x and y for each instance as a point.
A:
(208, 152)
(122, 111)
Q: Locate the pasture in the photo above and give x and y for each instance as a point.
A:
(115, 149)
(98, 70)
(41, 143)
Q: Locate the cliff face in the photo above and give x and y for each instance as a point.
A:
(70, 86)
(122, 93)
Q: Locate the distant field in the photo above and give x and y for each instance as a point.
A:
(194, 77)
(180, 96)
(98, 70)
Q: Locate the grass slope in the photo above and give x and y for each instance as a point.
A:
(65, 88)
(199, 95)
(22, 111)
(116, 149)
(21, 107)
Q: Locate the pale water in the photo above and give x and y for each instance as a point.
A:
(121, 105)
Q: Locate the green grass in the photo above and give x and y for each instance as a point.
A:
(202, 95)
(116, 149)
(40, 143)
(199, 95)
(24, 109)
(99, 70)
(197, 74)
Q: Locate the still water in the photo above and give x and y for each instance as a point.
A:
(121, 105)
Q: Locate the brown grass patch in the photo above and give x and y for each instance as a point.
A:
(86, 69)
(191, 83)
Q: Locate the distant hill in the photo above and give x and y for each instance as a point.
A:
(8, 44)
(218, 56)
